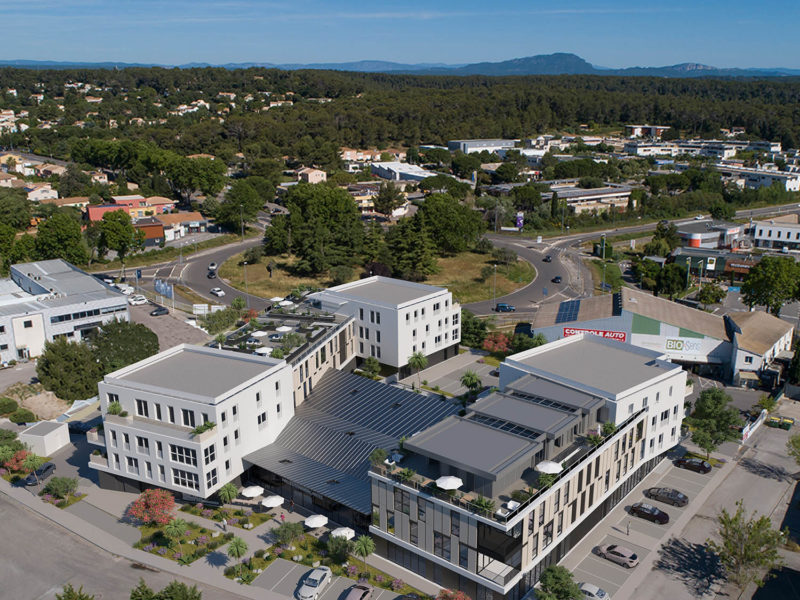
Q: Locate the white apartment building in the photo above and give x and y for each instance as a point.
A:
(756, 178)
(469, 146)
(396, 318)
(399, 171)
(778, 232)
(247, 398)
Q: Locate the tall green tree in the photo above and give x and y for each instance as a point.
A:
(175, 530)
(418, 361)
(60, 237)
(671, 279)
(412, 249)
(473, 329)
(32, 462)
(713, 420)
(118, 234)
(237, 548)
(227, 493)
(771, 283)
(557, 583)
(470, 380)
(69, 370)
(363, 547)
(15, 209)
(453, 227)
(389, 197)
(711, 293)
(287, 532)
(240, 206)
(117, 344)
(70, 593)
(747, 546)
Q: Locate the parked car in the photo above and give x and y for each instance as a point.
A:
(40, 474)
(275, 337)
(219, 292)
(125, 288)
(667, 496)
(523, 329)
(137, 300)
(79, 426)
(503, 307)
(557, 279)
(159, 311)
(548, 258)
(359, 591)
(495, 372)
(313, 584)
(212, 266)
(693, 464)
(649, 513)
(619, 554)
(212, 275)
(276, 210)
(592, 592)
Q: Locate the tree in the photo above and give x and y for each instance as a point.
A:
(32, 462)
(557, 583)
(793, 447)
(713, 421)
(418, 361)
(554, 206)
(793, 374)
(118, 343)
(339, 548)
(464, 165)
(69, 370)
(748, 547)
(411, 248)
(671, 280)
(521, 342)
(237, 548)
(722, 210)
(240, 206)
(220, 339)
(470, 380)
(287, 532)
(497, 342)
(363, 547)
(118, 234)
(453, 227)
(473, 329)
(711, 293)
(389, 197)
(508, 172)
(227, 493)
(61, 487)
(70, 593)
(377, 456)
(771, 283)
(153, 506)
(371, 366)
(177, 590)
(174, 530)
(15, 209)
(60, 237)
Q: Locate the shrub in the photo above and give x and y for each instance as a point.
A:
(259, 553)
(61, 487)
(7, 405)
(22, 415)
(17, 461)
(153, 506)
(114, 408)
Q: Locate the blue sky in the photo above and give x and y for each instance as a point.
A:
(612, 33)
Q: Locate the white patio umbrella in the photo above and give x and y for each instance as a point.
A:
(258, 334)
(344, 532)
(286, 303)
(283, 329)
(315, 521)
(548, 466)
(272, 501)
(253, 491)
(263, 350)
(449, 482)
(276, 299)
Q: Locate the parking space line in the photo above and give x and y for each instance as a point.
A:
(277, 583)
(592, 578)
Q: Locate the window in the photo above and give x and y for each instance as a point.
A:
(223, 416)
(630, 409)
(408, 317)
(113, 438)
(413, 333)
(211, 478)
(427, 328)
(748, 360)
(420, 509)
(566, 493)
(547, 535)
(560, 523)
(171, 415)
(262, 419)
(277, 387)
(463, 556)
(148, 470)
(133, 465)
(210, 454)
(361, 347)
(141, 408)
(27, 324)
(665, 415)
(402, 501)
(188, 417)
(236, 436)
(185, 479)
(227, 465)
(235, 413)
(672, 434)
(161, 474)
(377, 318)
(278, 408)
(607, 479)
(372, 316)
(455, 523)
(3, 346)
(113, 398)
(158, 449)
(670, 390)
(441, 545)
(378, 336)
(142, 444)
(158, 411)
(557, 501)
(541, 515)
(413, 532)
(361, 313)
(126, 440)
(675, 410)
(258, 397)
(535, 545)
(360, 332)
(180, 454)
(225, 442)
(658, 396)
(116, 461)
(644, 401)
(2, 328)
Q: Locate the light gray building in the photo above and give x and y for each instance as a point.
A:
(467, 146)
(44, 300)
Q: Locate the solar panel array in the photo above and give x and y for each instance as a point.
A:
(503, 425)
(544, 402)
(568, 311)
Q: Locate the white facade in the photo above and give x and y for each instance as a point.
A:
(45, 438)
(757, 178)
(776, 234)
(395, 318)
(155, 443)
(399, 171)
(469, 146)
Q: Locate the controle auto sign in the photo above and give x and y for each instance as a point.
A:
(620, 336)
(682, 345)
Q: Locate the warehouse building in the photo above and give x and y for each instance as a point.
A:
(711, 234)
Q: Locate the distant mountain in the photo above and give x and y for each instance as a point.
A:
(560, 63)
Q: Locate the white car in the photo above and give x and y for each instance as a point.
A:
(592, 592)
(219, 292)
(125, 288)
(137, 300)
(212, 266)
(699, 218)
(313, 584)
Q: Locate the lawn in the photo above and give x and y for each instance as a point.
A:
(613, 275)
(461, 274)
(196, 543)
(234, 517)
(63, 502)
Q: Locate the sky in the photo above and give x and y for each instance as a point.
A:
(609, 33)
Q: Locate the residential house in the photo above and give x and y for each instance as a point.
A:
(309, 175)
(80, 202)
(153, 231)
(40, 191)
(95, 212)
(177, 225)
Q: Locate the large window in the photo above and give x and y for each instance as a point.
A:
(210, 454)
(141, 408)
(420, 509)
(402, 501)
(463, 556)
(185, 479)
(455, 523)
(180, 454)
(211, 478)
(547, 535)
(441, 545)
(413, 532)
(188, 417)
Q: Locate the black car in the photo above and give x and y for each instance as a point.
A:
(557, 279)
(548, 258)
(667, 496)
(40, 474)
(693, 464)
(650, 513)
(212, 275)
(159, 311)
(79, 426)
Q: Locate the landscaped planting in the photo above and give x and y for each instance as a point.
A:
(193, 541)
(238, 517)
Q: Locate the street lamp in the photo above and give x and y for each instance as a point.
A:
(603, 254)
(241, 218)
(494, 288)
(246, 292)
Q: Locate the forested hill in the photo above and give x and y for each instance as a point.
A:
(372, 109)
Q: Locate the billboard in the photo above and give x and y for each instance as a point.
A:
(520, 219)
(620, 336)
(162, 287)
(683, 345)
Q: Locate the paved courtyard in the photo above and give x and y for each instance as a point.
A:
(171, 329)
(447, 374)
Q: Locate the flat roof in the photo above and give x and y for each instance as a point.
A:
(533, 386)
(597, 363)
(60, 277)
(384, 290)
(528, 414)
(43, 428)
(196, 370)
(707, 226)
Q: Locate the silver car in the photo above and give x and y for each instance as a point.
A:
(313, 584)
(619, 554)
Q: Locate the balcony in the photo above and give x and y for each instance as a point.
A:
(96, 437)
(99, 460)
(178, 432)
(498, 572)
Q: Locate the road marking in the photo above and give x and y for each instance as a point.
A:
(277, 583)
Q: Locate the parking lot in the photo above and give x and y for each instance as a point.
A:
(636, 533)
(171, 329)
(284, 577)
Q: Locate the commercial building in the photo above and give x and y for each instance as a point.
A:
(396, 318)
(580, 200)
(468, 146)
(778, 232)
(399, 171)
(723, 345)
(757, 178)
(44, 300)
(715, 264)
(711, 233)
(501, 524)
(652, 131)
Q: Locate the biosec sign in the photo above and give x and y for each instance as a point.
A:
(620, 336)
(683, 345)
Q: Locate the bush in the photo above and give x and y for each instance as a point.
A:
(22, 415)
(61, 487)
(259, 553)
(7, 405)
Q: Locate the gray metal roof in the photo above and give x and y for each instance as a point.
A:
(534, 387)
(61, 277)
(531, 415)
(330, 437)
(384, 290)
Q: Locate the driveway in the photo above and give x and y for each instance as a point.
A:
(171, 329)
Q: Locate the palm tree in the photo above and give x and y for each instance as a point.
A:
(227, 493)
(174, 530)
(471, 381)
(32, 462)
(418, 361)
(364, 546)
(220, 339)
(236, 550)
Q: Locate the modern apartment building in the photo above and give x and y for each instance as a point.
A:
(45, 300)
(778, 232)
(501, 522)
(396, 318)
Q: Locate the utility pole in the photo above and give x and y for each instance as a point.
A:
(494, 288)
(563, 210)
(603, 254)
(241, 218)
(246, 292)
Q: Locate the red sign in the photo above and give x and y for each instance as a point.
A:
(620, 336)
